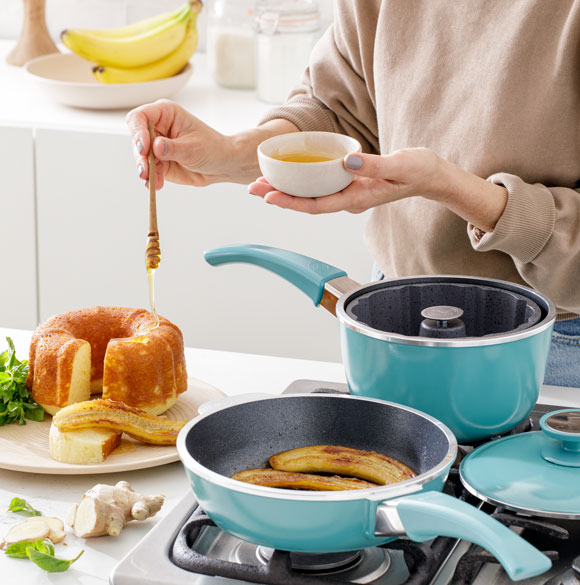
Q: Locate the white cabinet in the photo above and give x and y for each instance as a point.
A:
(17, 230)
(92, 228)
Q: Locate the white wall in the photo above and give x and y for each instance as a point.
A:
(61, 14)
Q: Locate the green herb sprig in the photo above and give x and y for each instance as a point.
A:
(40, 552)
(23, 507)
(16, 404)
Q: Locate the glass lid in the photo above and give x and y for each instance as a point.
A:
(536, 473)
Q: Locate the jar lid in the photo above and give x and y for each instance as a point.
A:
(287, 16)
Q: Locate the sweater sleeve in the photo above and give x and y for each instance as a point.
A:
(540, 230)
(337, 90)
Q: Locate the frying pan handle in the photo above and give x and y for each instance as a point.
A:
(308, 274)
(428, 514)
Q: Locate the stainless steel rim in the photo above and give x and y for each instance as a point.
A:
(515, 508)
(500, 338)
(375, 494)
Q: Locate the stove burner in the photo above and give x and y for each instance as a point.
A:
(316, 563)
(364, 566)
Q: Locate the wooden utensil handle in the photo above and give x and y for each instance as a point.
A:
(153, 251)
(152, 181)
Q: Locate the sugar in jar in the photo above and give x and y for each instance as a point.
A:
(286, 31)
(230, 43)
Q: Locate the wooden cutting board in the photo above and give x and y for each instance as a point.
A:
(25, 447)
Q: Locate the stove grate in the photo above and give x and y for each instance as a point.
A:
(422, 560)
(277, 570)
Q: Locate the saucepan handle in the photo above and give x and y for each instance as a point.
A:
(425, 515)
(308, 274)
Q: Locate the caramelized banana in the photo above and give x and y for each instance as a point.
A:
(300, 481)
(117, 416)
(366, 465)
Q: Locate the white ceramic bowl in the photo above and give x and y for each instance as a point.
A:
(67, 79)
(307, 179)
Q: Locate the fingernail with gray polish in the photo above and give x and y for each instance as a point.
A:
(140, 170)
(139, 146)
(353, 162)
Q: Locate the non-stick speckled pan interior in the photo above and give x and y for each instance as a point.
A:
(487, 310)
(245, 435)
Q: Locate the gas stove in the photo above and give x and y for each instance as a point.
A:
(186, 548)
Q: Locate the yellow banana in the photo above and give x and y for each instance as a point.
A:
(137, 28)
(130, 51)
(165, 67)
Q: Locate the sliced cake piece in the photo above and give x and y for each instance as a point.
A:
(82, 447)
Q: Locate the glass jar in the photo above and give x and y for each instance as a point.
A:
(230, 43)
(286, 33)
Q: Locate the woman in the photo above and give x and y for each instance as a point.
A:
(469, 117)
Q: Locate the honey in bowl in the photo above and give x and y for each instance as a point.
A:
(304, 157)
(307, 164)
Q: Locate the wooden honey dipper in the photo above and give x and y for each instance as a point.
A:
(153, 251)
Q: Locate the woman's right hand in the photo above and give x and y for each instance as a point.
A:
(188, 151)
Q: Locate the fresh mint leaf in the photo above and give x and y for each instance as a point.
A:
(49, 563)
(16, 403)
(33, 412)
(17, 550)
(22, 506)
(44, 546)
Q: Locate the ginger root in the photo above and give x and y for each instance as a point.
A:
(105, 509)
(34, 528)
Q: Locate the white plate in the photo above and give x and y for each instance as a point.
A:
(67, 79)
(25, 447)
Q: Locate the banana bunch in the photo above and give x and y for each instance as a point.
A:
(154, 48)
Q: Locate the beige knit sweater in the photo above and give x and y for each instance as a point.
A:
(490, 85)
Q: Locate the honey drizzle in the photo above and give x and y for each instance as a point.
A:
(125, 446)
(151, 285)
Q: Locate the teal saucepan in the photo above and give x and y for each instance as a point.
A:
(230, 437)
(535, 473)
(472, 352)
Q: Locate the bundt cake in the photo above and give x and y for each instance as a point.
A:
(114, 350)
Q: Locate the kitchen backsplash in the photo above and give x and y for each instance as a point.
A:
(61, 14)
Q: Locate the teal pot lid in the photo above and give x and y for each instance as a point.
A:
(535, 473)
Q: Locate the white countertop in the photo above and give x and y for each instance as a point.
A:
(23, 104)
(233, 373)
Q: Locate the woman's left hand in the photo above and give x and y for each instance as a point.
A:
(405, 173)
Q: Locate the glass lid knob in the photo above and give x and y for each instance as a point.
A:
(567, 421)
(563, 428)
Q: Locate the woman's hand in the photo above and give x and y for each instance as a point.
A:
(190, 152)
(405, 173)
(185, 147)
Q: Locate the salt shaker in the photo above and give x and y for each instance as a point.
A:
(286, 33)
(230, 43)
